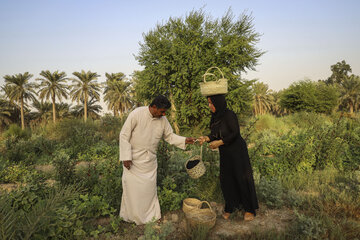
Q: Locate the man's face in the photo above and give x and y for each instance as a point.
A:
(158, 112)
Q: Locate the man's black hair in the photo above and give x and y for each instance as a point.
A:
(161, 102)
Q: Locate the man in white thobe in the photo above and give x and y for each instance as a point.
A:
(139, 138)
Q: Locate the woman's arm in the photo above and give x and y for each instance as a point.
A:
(232, 123)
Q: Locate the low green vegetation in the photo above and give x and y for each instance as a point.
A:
(305, 162)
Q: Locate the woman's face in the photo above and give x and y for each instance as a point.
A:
(211, 105)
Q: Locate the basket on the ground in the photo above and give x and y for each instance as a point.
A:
(189, 204)
(201, 216)
(195, 166)
(210, 88)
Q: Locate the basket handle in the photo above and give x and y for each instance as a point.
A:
(211, 74)
(200, 204)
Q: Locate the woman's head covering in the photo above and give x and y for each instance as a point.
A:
(220, 108)
(220, 105)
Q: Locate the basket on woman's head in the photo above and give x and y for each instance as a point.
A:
(209, 88)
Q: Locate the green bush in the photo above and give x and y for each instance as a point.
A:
(17, 133)
(169, 199)
(15, 173)
(306, 227)
(270, 192)
(90, 207)
(75, 135)
(64, 167)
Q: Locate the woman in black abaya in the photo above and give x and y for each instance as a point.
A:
(236, 176)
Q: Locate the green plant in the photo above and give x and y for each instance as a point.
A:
(92, 206)
(308, 227)
(152, 233)
(199, 232)
(270, 192)
(15, 173)
(64, 167)
(169, 199)
(15, 132)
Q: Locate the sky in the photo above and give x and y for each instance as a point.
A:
(301, 38)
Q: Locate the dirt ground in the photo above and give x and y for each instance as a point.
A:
(234, 228)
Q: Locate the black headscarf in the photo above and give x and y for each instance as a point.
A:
(220, 108)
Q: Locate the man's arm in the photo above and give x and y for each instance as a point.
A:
(124, 141)
(172, 138)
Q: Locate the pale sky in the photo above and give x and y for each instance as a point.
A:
(302, 38)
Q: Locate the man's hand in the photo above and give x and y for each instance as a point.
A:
(203, 139)
(190, 140)
(127, 164)
(215, 144)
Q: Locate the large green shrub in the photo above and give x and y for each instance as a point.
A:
(75, 135)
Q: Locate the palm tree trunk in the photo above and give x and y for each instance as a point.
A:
(351, 108)
(53, 105)
(173, 114)
(22, 114)
(85, 108)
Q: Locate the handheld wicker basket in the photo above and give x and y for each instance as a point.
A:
(199, 169)
(213, 87)
(189, 204)
(201, 216)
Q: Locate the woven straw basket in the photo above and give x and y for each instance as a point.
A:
(213, 87)
(201, 216)
(189, 204)
(199, 169)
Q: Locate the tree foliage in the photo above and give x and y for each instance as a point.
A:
(175, 55)
(85, 86)
(350, 93)
(19, 90)
(117, 93)
(53, 85)
(340, 71)
(309, 96)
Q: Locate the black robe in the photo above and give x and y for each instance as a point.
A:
(236, 176)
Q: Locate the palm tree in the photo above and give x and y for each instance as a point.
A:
(11, 107)
(5, 111)
(63, 110)
(117, 96)
(52, 86)
(43, 112)
(92, 108)
(84, 86)
(262, 99)
(276, 108)
(20, 90)
(115, 76)
(350, 93)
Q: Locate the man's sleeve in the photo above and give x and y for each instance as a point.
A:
(124, 138)
(172, 138)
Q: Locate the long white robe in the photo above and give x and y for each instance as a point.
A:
(139, 138)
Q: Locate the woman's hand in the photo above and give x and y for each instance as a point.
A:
(215, 144)
(203, 139)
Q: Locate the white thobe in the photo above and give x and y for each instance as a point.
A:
(139, 138)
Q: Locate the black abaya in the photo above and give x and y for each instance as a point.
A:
(236, 176)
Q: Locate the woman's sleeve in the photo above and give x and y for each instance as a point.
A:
(232, 123)
(212, 135)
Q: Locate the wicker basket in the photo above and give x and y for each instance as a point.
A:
(199, 169)
(189, 204)
(213, 87)
(201, 216)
